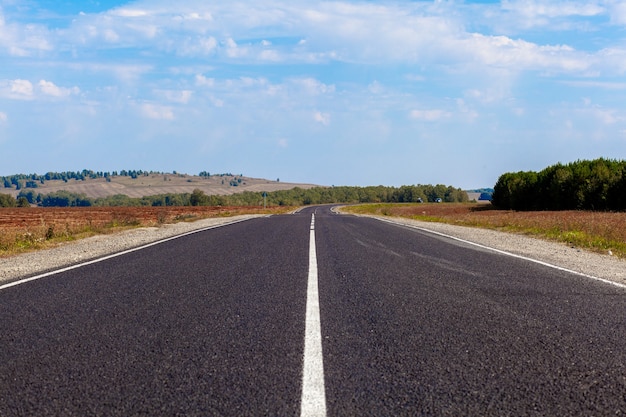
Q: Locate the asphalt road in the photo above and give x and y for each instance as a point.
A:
(214, 324)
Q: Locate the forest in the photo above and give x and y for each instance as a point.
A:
(598, 184)
(294, 197)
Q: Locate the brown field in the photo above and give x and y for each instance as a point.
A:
(23, 229)
(597, 231)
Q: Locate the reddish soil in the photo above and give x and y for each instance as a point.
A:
(73, 218)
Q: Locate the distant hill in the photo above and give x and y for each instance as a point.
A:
(149, 184)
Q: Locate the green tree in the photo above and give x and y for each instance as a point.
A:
(7, 200)
(29, 195)
(65, 199)
(582, 185)
(198, 198)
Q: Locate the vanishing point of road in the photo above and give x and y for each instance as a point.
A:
(312, 314)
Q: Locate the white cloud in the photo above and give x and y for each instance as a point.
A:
(126, 12)
(21, 88)
(17, 89)
(323, 118)
(217, 102)
(618, 12)
(606, 85)
(24, 90)
(283, 143)
(111, 36)
(252, 82)
(415, 77)
(520, 55)
(3, 117)
(126, 73)
(518, 111)
(430, 115)
(206, 16)
(612, 59)
(24, 40)
(203, 81)
(606, 116)
(270, 55)
(176, 96)
(157, 112)
(498, 91)
(50, 89)
(515, 16)
(405, 32)
(426, 61)
(313, 86)
(535, 9)
(376, 88)
(197, 46)
(233, 50)
(466, 111)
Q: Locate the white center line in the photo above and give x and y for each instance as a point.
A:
(313, 393)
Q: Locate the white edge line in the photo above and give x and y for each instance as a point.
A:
(313, 401)
(560, 268)
(113, 255)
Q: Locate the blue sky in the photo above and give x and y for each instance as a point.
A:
(333, 93)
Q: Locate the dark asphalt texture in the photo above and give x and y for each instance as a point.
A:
(209, 324)
(412, 324)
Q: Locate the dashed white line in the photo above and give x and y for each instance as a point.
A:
(313, 401)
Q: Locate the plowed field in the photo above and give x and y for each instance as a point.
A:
(30, 227)
(34, 217)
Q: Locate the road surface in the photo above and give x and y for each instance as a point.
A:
(308, 314)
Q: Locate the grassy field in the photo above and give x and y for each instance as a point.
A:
(32, 228)
(596, 231)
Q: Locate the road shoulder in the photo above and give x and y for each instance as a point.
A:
(72, 253)
(605, 267)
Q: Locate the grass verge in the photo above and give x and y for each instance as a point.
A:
(25, 230)
(602, 232)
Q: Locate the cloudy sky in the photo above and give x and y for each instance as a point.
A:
(330, 92)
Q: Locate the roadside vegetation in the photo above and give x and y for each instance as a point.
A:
(582, 185)
(294, 197)
(27, 229)
(35, 220)
(591, 230)
(582, 204)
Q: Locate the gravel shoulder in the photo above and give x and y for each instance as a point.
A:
(33, 263)
(605, 267)
(575, 259)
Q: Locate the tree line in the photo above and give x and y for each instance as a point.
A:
(20, 181)
(598, 184)
(294, 197)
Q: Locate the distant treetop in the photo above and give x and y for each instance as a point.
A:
(582, 185)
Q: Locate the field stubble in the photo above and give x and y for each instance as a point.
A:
(603, 232)
(26, 229)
